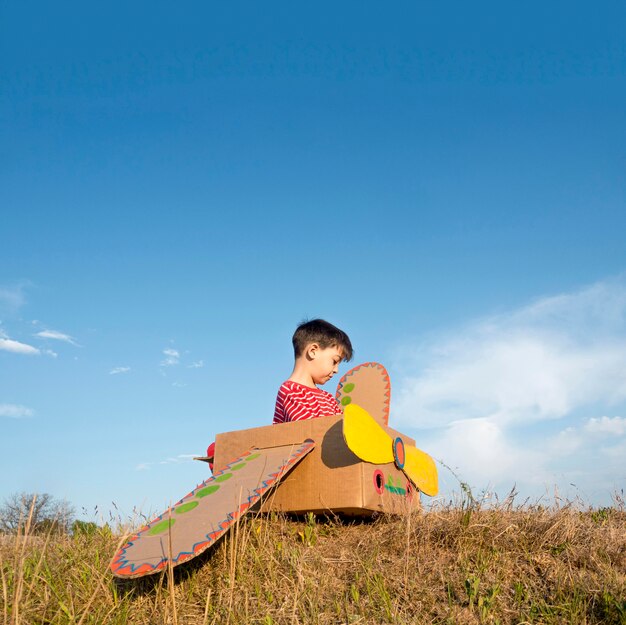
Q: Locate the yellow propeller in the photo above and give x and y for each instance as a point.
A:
(371, 443)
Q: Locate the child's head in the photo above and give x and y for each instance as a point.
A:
(322, 333)
(319, 347)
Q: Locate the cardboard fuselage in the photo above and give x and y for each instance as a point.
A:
(331, 478)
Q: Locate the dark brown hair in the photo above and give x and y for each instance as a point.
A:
(324, 334)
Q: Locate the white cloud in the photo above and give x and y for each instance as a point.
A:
(12, 298)
(143, 466)
(15, 411)
(537, 363)
(617, 453)
(117, 370)
(606, 425)
(15, 347)
(484, 446)
(178, 459)
(565, 443)
(196, 365)
(485, 395)
(172, 357)
(56, 336)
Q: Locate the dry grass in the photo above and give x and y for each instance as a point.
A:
(455, 565)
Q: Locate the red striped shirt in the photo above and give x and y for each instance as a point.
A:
(296, 402)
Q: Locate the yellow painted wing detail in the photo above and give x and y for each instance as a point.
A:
(364, 437)
(421, 469)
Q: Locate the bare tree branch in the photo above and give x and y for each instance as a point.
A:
(49, 514)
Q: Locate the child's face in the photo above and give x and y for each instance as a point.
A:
(323, 363)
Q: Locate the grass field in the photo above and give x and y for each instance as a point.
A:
(459, 564)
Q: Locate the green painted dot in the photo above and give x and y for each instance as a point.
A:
(348, 388)
(209, 490)
(186, 507)
(223, 477)
(252, 457)
(345, 400)
(238, 466)
(161, 527)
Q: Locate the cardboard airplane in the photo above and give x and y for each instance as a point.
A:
(351, 464)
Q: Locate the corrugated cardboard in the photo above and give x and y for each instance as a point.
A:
(331, 478)
(367, 385)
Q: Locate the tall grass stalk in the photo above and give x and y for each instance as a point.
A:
(170, 568)
(23, 538)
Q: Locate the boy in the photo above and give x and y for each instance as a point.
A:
(318, 348)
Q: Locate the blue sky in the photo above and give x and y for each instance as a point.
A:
(180, 186)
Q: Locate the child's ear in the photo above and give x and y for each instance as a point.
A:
(311, 350)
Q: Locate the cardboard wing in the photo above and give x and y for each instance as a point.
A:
(201, 517)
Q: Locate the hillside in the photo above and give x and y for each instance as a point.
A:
(455, 565)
